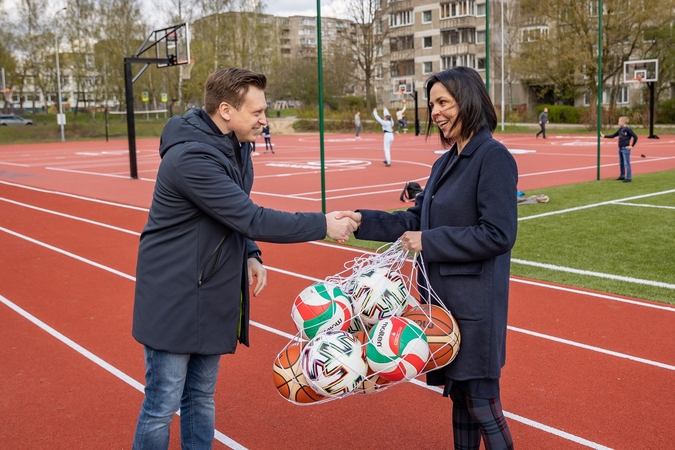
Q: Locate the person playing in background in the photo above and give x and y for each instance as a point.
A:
(357, 123)
(464, 225)
(543, 120)
(400, 118)
(197, 256)
(625, 134)
(268, 138)
(388, 129)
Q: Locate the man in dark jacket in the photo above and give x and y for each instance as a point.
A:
(543, 120)
(197, 256)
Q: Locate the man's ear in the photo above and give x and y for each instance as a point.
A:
(225, 111)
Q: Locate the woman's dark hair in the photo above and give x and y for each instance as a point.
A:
(475, 109)
(230, 85)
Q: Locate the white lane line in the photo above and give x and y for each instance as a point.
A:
(79, 197)
(589, 273)
(99, 361)
(3, 163)
(594, 205)
(223, 437)
(530, 422)
(84, 172)
(643, 205)
(643, 304)
(68, 216)
(594, 349)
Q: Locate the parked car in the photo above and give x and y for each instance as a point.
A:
(12, 119)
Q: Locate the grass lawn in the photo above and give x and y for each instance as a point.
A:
(619, 248)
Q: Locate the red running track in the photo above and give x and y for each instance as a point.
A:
(583, 369)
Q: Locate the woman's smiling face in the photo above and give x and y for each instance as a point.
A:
(444, 111)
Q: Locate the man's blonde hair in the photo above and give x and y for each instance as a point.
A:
(623, 119)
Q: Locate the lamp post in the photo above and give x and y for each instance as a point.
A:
(61, 119)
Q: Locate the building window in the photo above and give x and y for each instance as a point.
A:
(458, 36)
(457, 9)
(448, 62)
(401, 18)
(480, 10)
(427, 42)
(426, 16)
(480, 37)
(623, 98)
(306, 21)
(480, 64)
(400, 68)
(402, 43)
(378, 72)
(307, 41)
(428, 67)
(532, 34)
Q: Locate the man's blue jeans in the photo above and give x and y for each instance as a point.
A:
(173, 381)
(624, 163)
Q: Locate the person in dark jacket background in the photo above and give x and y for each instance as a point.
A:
(197, 256)
(543, 120)
(626, 134)
(464, 224)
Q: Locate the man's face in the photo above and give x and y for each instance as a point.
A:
(247, 121)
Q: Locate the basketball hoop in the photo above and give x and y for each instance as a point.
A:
(637, 79)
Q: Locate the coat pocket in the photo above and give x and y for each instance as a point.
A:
(464, 289)
(211, 263)
(465, 268)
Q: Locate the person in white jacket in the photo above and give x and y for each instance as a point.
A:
(400, 117)
(388, 129)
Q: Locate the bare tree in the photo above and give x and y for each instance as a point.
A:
(564, 58)
(366, 39)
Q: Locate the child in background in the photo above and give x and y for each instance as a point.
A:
(268, 138)
(625, 134)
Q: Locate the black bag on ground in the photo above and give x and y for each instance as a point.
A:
(410, 191)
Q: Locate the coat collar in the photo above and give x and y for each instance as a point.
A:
(467, 151)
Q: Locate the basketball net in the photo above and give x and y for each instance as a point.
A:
(186, 69)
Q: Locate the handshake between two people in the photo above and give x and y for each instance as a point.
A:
(341, 224)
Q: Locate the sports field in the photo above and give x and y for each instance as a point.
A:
(585, 368)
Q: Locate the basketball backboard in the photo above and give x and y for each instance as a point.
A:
(641, 71)
(402, 84)
(173, 43)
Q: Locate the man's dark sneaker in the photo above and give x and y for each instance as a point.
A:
(627, 180)
(620, 179)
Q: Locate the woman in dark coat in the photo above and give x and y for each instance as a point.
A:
(464, 224)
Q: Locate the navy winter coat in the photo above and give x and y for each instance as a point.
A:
(192, 293)
(468, 217)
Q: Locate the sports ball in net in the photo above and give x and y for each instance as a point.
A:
(288, 377)
(397, 349)
(379, 294)
(372, 382)
(441, 331)
(319, 308)
(334, 363)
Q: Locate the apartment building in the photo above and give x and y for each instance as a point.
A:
(298, 35)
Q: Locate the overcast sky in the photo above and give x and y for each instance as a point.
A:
(299, 7)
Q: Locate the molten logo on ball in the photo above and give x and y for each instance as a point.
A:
(397, 349)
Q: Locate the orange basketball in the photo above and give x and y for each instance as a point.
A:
(441, 331)
(373, 381)
(288, 377)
